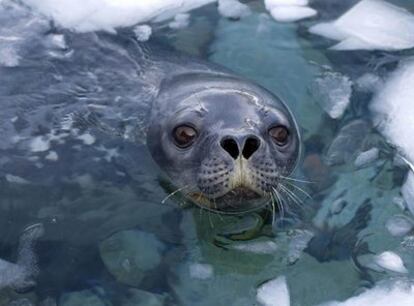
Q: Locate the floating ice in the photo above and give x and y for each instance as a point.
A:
(233, 9)
(366, 157)
(399, 225)
(408, 192)
(337, 206)
(142, 32)
(393, 108)
(273, 3)
(52, 156)
(201, 271)
(400, 293)
(390, 261)
(286, 13)
(92, 15)
(180, 21)
(16, 179)
(370, 24)
(258, 247)
(298, 243)
(87, 138)
(333, 91)
(274, 293)
(39, 144)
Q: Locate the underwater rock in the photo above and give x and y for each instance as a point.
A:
(20, 275)
(333, 92)
(92, 297)
(274, 293)
(348, 141)
(128, 255)
(370, 25)
(201, 271)
(407, 191)
(399, 225)
(366, 157)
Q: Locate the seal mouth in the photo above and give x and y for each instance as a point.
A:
(237, 200)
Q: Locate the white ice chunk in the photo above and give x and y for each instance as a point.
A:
(142, 32)
(298, 243)
(258, 247)
(180, 21)
(16, 179)
(390, 261)
(272, 3)
(399, 293)
(408, 192)
(52, 156)
(366, 157)
(39, 144)
(369, 82)
(92, 15)
(9, 57)
(87, 138)
(291, 13)
(333, 91)
(233, 9)
(201, 271)
(393, 109)
(371, 24)
(274, 293)
(399, 225)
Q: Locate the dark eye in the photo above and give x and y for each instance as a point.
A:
(184, 135)
(280, 134)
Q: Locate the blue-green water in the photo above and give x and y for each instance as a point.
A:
(110, 240)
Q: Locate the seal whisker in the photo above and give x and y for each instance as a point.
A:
(300, 189)
(295, 179)
(273, 208)
(174, 193)
(280, 204)
(296, 200)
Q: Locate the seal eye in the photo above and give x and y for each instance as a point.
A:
(184, 135)
(280, 134)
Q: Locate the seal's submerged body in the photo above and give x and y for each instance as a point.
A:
(225, 142)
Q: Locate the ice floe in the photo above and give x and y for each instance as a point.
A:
(180, 21)
(286, 13)
(233, 9)
(274, 3)
(92, 15)
(333, 91)
(399, 225)
(142, 32)
(258, 247)
(274, 293)
(393, 109)
(399, 293)
(370, 24)
(390, 261)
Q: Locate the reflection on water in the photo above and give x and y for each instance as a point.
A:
(110, 239)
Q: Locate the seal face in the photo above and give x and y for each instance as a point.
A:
(225, 142)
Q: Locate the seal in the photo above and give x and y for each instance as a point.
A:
(225, 142)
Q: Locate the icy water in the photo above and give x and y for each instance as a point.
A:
(111, 238)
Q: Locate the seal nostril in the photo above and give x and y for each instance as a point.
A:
(250, 146)
(231, 147)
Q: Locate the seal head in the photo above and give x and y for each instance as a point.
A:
(224, 142)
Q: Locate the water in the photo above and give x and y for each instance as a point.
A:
(110, 240)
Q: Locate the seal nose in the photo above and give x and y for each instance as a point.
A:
(231, 146)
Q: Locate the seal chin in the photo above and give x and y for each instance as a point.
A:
(236, 201)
